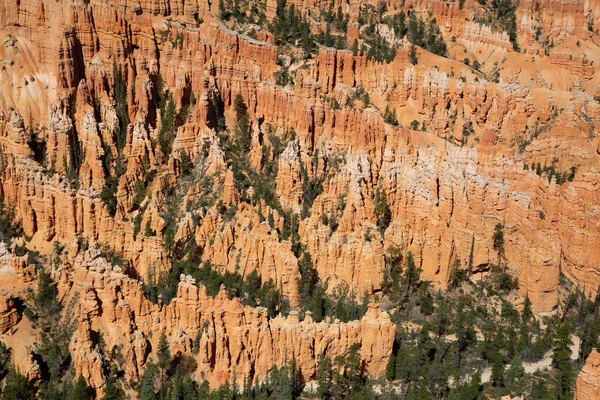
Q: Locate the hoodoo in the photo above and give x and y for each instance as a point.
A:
(290, 199)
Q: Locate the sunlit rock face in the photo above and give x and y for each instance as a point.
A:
(468, 152)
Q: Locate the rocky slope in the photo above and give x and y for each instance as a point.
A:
(87, 78)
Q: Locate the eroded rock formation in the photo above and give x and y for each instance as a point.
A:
(588, 380)
(88, 77)
(222, 335)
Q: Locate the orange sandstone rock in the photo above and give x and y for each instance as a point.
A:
(588, 380)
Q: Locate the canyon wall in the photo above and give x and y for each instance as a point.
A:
(469, 166)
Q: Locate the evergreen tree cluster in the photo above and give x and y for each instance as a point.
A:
(312, 186)
(367, 15)
(121, 107)
(72, 165)
(115, 165)
(359, 93)
(383, 213)
(378, 47)
(459, 333)
(251, 289)
(390, 117)
(169, 379)
(290, 26)
(550, 172)
(170, 120)
(51, 350)
(334, 21)
(9, 226)
(283, 76)
(337, 18)
(243, 12)
(504, 12)
(341, 304)
(344, 377)
(237, 144)
(425, 34)
(328, 39)
(498, 241)
(37, 144)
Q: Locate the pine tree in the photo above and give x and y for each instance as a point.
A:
(47, 293)
(527, 313)
(390, 368)
(243, 124)
(327, 38)
(390, 116)
(413, 29)
(324, 377)
(112, 391)
(163, 354)
(296, 386)
(470, 263)
(146, 389)
(498, 241)
(239, 106)
(225, 15)
(383, 213)
(465, 333)
(590, 335)
(412, 55)
(355, 48)
(16, 387)
(81, 390)
(410, 279)
(430, 39)
(308, 281)
(121, 107)
(426, 304)
(353, 368)
(307, 41)
(539, 391)
(498, 372)
(515, 372)
(412, 274)
(525, 330)
(442, 316)
(457, 275)
(167, 131)
(400, 24)
(9, 227)
(561, 360)
(5, 353)
(470, 390)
